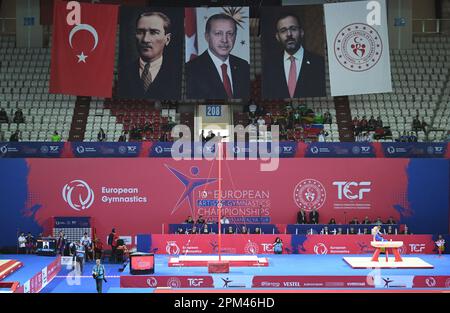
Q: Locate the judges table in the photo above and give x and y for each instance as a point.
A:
(345, 229)
(294, 229)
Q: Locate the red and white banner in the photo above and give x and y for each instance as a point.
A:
(82, 61)
(41, 279)
(312, 282)
(145, 281)
(358, 47)
(208, 244)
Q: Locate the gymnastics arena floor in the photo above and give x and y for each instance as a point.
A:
(285, 273)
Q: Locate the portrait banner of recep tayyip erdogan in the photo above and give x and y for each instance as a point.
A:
(150, 53)
(220, 68)
(293, 41)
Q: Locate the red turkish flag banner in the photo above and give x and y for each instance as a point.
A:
(82, 60)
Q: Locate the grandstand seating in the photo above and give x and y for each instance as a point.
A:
(420, 78)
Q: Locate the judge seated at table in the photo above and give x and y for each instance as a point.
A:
(229, 230)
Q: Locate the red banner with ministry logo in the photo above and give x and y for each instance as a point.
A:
(139, 196)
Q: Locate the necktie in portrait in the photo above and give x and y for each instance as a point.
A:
(226, 81)
(146, 76)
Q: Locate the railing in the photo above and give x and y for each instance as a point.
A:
(429, 26)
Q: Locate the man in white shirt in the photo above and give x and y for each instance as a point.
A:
(22, 243)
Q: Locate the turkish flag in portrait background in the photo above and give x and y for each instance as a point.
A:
(82, 61)
(190, 33)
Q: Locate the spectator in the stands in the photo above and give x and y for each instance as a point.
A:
(372, 123)
(15, 137)
(423, 125)
(314, 217)
(123, 136)
(390, 220)
(366, 221)
(364, 124)
(379, 133)
(322, 136)
(18, 117)
(379, 122)
(101, 136)
(356, 128)
(332, 221)
(2, 136)
(327, 118)
(252, 107)
(261, 121)
(318, 118)
(164, 136)
(3, 116)
(412, 137)
(22, 241)
(210, 136)
(354, 221)
(416, 125)
(189, 220)
(56, 137)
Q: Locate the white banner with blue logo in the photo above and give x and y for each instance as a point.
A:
(358, 47)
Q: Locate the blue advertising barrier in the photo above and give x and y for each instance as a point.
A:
(414, 149)
(106, 149)
(340, 150)
(31, 149)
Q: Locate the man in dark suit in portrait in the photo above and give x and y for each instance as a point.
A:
(217, 74)
(295, 72)
(150, 76)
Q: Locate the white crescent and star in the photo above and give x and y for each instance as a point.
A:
(82, 57)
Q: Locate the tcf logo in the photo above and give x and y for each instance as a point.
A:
(78, 195)
(195, 282)
(344, 189)
(417, 247)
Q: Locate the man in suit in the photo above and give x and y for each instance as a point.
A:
(217, 74)
(301, 217)
(152, 75)
(314, 217)
(295, 72)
